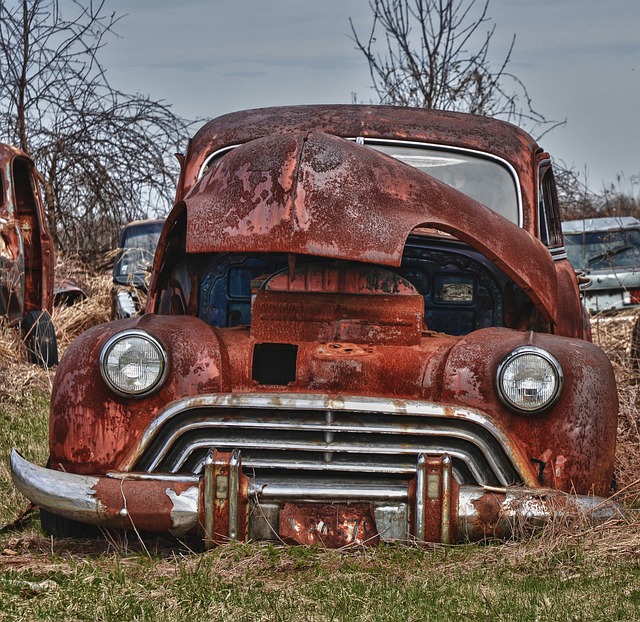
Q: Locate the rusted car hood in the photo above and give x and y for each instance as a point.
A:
(313, 193)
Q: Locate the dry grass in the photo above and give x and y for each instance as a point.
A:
(613, 335)
(17, 374)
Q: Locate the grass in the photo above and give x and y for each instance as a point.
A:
(565, 573)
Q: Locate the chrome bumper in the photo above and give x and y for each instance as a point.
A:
(224, 504)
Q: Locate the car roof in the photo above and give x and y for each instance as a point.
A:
(589, 225)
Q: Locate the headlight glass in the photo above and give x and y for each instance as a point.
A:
(133, 363)
(529, 379)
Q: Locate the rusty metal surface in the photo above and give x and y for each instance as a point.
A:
(389, 122)
(580, 427)
(315, 194)
(330, 525)
(26, 247)
(93, 430)
(509, 513)
(168, 505)
(363, 372)
(224, 499)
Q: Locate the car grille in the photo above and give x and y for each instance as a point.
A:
(302, 435)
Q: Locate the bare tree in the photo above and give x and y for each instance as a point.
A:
(575, 198)
(434, 54)
(106, 157)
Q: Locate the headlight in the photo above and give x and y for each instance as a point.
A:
(133, 363)
(529, 379)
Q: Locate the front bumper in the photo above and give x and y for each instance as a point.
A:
(225, 504)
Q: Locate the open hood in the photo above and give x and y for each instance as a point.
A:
(316, 194)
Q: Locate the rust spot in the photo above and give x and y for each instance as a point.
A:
(143, 504)
(332, 526)
(489, 508)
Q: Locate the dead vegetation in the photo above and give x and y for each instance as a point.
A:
(18, 375)
(613, 335)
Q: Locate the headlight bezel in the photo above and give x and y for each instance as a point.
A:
(162, 356)
(513, 356)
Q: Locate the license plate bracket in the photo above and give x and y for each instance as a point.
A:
(330, 525)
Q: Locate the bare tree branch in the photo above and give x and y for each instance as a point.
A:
(432, 54)
(105, 157)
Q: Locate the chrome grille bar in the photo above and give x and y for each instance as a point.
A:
(298, 433)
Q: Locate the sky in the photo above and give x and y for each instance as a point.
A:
(579, 59)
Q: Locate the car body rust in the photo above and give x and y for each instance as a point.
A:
(348, 315)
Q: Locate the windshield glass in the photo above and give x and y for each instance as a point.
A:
(484, 180)
(604, 250)
(138, 247)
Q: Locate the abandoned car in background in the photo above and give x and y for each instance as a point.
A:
(607, 251)
(26, 256)
(361, 326)
(131, 267)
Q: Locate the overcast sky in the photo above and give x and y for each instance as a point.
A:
(580, 61)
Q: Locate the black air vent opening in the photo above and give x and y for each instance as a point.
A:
(274, 363)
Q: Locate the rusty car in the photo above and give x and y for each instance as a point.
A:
(361, 326)
(134, 256)
(26, 256)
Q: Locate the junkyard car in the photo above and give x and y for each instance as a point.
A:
(136, 247)
(26, 256)
(361, 326)
(607, 250)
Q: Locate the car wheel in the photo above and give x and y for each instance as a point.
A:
(40, 338)
(61, 527)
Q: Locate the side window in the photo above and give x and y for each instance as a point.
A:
(548, 213)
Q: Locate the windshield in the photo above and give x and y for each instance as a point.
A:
(484, 180)
(604, 250)
(138, 247)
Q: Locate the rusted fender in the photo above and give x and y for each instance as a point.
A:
(570, 446)
(316, 194)
(94, 430)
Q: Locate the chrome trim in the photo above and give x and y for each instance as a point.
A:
(351, 449)
(445, 535)
(421, 492)
(234, 493)
(209, 500)
(277, 488)
(186, 478)
(558, 253)
(74, 496)
(276, 404)
(67, 494)
(214, 156)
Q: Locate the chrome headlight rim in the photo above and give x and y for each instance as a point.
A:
(141, 334)
(550, 359)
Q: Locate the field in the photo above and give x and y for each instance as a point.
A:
(568, 572)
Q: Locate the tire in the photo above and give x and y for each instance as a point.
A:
(635, 346)
(40, 338)
(64, 528)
